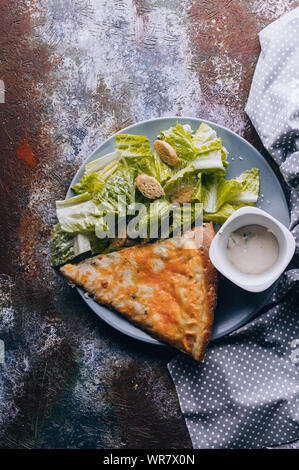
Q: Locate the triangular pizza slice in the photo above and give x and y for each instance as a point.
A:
(167, 288)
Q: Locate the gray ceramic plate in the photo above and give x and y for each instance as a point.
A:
(235, 306)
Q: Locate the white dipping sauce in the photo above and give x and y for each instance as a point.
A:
(252, 249)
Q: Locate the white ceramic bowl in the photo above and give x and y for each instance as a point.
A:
(252, 216)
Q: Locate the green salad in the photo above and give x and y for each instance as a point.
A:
(107, 191)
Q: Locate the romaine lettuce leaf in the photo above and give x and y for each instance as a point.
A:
(179, 137)
(188, 176)
(98, 245)
(184, 217)
(224, 155)
(185, 177)
(203, 134)
(161, 218)
(197, 195)
(154, 166)
(205, 140)
(102, 162)
(133, 145)
(147, 222)
(208, 147)
(118, 192)
(222, 215)
(203, 149)
(246, 195)
(249, 192)
(66, 246)
(94, 182)
(77, 214)
(209, 161)
(216, 191)
(133, 148)
(89, 184)
(138, 157)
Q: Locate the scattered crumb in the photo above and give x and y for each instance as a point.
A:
(53, 319)
(86, 295)
(44, 252)
(135, 386)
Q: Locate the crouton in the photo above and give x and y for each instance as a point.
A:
(183, 195)
(149, 186)
(166, 153)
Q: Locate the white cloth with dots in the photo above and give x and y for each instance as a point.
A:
(246, 394)
(273, 103)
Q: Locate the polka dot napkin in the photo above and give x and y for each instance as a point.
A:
(273, 104)
(246, 393)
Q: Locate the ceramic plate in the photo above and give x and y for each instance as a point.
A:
(235, 307)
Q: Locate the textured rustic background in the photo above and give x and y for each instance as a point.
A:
(75, 72)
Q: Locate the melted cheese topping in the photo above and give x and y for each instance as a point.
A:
(160, 286)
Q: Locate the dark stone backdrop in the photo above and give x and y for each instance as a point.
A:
(75, 72)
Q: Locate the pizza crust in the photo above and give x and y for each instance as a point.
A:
(211, 281)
